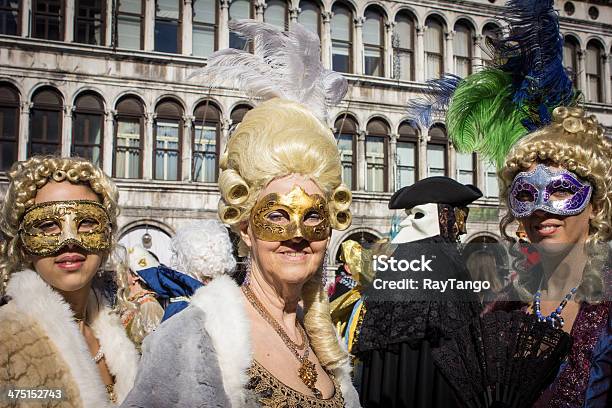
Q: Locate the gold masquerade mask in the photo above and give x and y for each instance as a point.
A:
(47, 227)
(281, 217)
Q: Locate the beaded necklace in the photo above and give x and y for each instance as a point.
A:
(554, 319)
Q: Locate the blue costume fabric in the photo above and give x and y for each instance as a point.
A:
(170, 285)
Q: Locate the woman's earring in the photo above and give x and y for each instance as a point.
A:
(100, 272)
(247, 275)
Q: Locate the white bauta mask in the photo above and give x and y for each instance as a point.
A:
(421, 222)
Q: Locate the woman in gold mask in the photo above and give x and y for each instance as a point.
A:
(59, 340)
(269, 342)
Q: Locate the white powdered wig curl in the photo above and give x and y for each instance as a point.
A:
(202, 250)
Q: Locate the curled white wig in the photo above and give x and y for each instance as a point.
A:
(202, 250)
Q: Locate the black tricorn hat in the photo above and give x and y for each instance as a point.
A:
(438, 189)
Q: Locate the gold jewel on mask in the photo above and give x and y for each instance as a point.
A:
(47, 227)
(299, 215)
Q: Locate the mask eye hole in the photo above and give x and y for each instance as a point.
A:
(49, 227)
(524, 196)
(561, 193)
(280, 217)
(312, 218)
(87, 225)
(418, 215)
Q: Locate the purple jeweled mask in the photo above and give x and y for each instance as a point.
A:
(555, 191)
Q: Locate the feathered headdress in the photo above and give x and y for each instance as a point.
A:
(492, 109)
(285, 64)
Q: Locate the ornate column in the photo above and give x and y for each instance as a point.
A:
(481, 177)
(419, 52)
(187, 28)
(605, 73)
(326, 39)
(358, 46)
(147, 151)
(108, 27)
(581, 77)
(449, 53)
(392, 161)
(226, 124)
(109, 141)
(388, 64)
(294, 12)
(423, 139)
(187, 148)
(477, 56)
(452, 161)
(361, 161)
(26, 6)
(24, 130)
(149, 26)
(223, 40)
(67, 130)
(68, 20)
(260, 8)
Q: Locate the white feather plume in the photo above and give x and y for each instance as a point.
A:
(285, 64)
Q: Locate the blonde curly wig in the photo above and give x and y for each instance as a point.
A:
(25, 178)
(276, 139)
(576, 142)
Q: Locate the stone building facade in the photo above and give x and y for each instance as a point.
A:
(110, 80)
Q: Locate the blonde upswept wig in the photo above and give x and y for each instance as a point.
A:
(25, 179)
(276, 139)
(577, 143)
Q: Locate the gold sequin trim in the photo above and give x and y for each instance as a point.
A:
(271, 393)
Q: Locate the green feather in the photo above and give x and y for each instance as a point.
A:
(481, 117)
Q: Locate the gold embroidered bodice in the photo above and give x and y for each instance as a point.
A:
(271, 393)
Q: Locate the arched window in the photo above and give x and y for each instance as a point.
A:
(593, 71)
(239, 10)
(346, 131)
(129, 138)
(466, 168)
(277, 13)
(89, 18)
(373, 42)
(168, 26)
(376, 155)
(342, 37)
(238, 113)
(310, 16)
(462, 48)
(570, 57)
(490, 32)
(130, 17)
(9, 17)
(434, 49)
(204, 27)
(403, 46)
(206, 136)
(9, 125)
(167, 141)
(407, 156)
(47, 17)
(88, 128)
(437, 152)
(46, 122)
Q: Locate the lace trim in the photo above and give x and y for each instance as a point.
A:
(271, 393)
